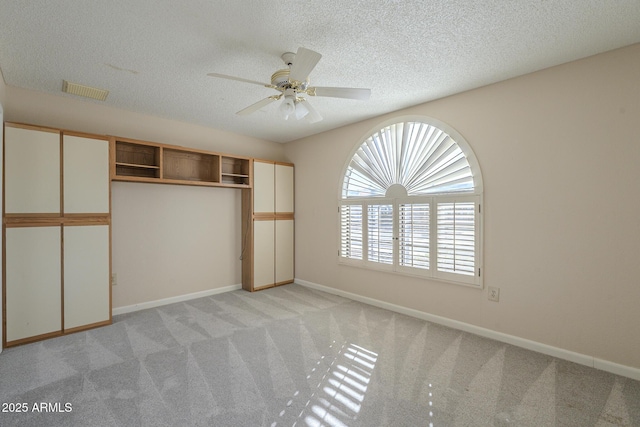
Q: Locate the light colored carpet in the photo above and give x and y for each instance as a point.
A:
(294, 356)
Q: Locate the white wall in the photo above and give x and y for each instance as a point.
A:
(559, 153)
(167, 240)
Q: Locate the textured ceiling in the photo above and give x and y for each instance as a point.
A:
(154, 55)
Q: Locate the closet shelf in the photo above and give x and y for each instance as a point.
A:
(141, 161)
(132, 165)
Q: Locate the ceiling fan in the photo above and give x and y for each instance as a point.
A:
(293, 82)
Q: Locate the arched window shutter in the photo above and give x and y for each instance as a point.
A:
(409, 203)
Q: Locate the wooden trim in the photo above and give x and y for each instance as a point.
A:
(33, 339)
(271, 285)
(176, 182)
(62, 279)
(270, 216)
(84, 135)
(178, 147)
(112, 162)
(136, 179)
(72, 222)
(160, 162)
(273, 162)
(264, 216)
(270, 162)
(91, 216)
(32, 215)
(45, 221)
(11, 222)
(284, 164)
(229, 185)
(112, 152)
(87, 327)
(31, 127)
(61, 171)
(283, 215)
(56, 130)
(247, 239)
(286, 282)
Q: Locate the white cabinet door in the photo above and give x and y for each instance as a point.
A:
(263, 187)
(284, 188)
(32, 171)
(33, 281)
(284, 250)
(86, 175)
(86, 275)
(263, 253)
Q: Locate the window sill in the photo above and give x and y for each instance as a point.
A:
(473, 282)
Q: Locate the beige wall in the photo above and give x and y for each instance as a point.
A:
(27, 106)
(2, 102)
(167, 240)
(2, 89)
(173, 240)
(560, 153)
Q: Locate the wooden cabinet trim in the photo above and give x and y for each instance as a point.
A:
(182, 166)
(31, 127)
(61, 220)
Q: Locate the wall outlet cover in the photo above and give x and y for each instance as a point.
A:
(494, 294)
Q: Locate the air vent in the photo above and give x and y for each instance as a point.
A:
(86, 91)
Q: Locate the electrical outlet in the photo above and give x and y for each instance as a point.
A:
(114, 279)
(494, 294)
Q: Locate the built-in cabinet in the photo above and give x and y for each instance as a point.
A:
(56, 226)
(33, 297)
(169, 164)
(269, 226)
(57, 221)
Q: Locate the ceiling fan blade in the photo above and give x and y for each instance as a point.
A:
(240, 79)
(313, 116)
(258, 105)
(340, 92)
(304, 62)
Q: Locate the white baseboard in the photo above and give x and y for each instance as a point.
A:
(179, 298)
(583, 359)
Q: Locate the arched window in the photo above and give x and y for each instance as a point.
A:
(411, 203)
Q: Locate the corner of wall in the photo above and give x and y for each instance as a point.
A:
(2, 89)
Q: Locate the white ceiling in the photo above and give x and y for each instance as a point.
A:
(154, 55)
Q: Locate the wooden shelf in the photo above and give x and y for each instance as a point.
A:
(131, 165)
(137, 160)
(190, 166)
(235, 170)
(140, 161)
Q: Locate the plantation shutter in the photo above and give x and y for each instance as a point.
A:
(410, 203)
(380, 233)
(351, 243)
(456, 235)
(420, 157)
(414, 230)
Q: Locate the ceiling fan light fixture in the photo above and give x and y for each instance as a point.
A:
(294, 81)
(313, 116)
(280, 78)
(301, 110)
(287, 107)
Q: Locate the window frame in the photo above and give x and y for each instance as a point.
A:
(434, 199)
